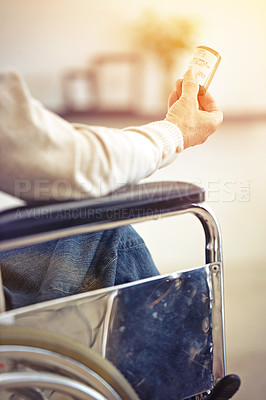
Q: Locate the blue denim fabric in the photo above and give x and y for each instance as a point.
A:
(74, 265)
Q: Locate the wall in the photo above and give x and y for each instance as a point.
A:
(42, 38)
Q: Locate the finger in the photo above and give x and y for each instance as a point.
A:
(178, 87)
(217, 116)
(207, 102)
(214, 118)
(176, 94)
(190, 86)
(172, 99)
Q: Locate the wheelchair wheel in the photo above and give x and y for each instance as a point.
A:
(105, 376)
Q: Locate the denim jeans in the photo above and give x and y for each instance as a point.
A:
(74, 265)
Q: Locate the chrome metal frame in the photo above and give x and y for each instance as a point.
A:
(52, 381)
(213, 256)
(57, 363)
(201, 211)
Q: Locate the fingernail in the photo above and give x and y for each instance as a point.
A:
(191, 73)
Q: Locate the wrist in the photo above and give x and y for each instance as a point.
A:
(183, 130)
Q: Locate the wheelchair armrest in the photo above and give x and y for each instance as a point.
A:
(128, 203)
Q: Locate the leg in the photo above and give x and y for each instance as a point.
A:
(74, 265)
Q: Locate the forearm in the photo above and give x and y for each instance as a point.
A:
(115, 157)
(44, 157)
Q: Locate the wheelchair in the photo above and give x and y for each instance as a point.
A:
(160, 338)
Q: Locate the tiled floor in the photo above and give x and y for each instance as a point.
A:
(231, 166)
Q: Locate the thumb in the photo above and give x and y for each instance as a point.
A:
(190, 86)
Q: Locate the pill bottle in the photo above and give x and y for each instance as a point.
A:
(205, 62)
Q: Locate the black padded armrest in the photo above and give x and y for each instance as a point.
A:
(128, 203)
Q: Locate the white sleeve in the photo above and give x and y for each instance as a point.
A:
(45, 157)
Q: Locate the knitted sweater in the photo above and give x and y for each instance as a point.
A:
(43, 157)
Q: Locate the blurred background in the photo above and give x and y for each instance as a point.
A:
(113, 63)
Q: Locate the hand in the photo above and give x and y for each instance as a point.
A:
(197, 117)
